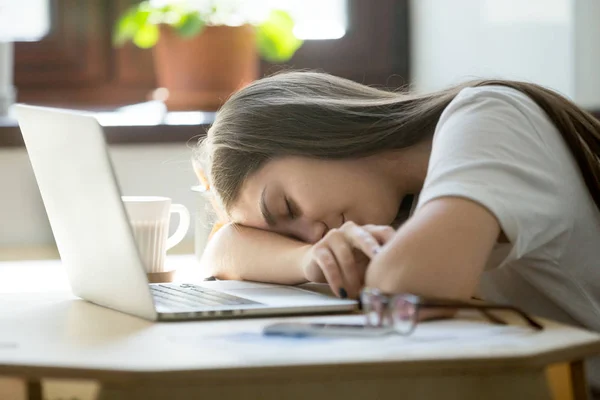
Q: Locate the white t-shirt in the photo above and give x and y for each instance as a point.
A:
(494, 145)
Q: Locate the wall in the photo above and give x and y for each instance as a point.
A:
(587, 48)
(555, 43)
(163, 170)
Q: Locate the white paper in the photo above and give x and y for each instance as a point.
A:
(249, 341)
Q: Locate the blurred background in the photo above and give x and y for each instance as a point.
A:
(154, 73)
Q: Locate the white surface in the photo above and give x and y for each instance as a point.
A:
(77, 334)
(141, 169)
(7, 90)
(587, 53)
(150, 218)
(153, 169)
(24, 19)
(250, 342)
(151, 113)
(6, 66)
(550, 42)
(330, 22)
(87, 216)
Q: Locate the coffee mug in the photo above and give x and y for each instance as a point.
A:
(149, 217)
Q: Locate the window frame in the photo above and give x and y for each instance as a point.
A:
(75, 65)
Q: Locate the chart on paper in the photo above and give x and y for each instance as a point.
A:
(248, 340)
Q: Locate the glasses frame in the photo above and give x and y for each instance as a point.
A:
(424, 303)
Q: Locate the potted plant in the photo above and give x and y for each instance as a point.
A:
(205, 50)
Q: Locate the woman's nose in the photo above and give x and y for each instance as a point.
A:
(311, 231)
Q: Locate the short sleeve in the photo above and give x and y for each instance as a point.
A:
(491, 146)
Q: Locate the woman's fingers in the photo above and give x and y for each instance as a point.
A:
(328, 264)
(362, 262)
(344, 255)
(361, 238)
(382, 233)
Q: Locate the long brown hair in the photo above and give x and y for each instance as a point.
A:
(318, 115)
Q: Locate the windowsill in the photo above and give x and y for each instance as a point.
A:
(137, 124)
(143, 123)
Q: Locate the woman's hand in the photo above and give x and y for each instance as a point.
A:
(342, 256)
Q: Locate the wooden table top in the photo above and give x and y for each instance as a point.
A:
(46, 331)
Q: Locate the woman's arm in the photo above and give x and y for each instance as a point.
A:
(340, 258)
(243, 253)
(439, 252)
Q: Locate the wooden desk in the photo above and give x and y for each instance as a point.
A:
(47, 333)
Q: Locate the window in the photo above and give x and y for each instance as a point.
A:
(24, 20)
(74, 65)
(316, 19)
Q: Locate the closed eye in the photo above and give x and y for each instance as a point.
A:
(291, 214)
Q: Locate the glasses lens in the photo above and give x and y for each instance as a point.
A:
(403, 312)
(373, 307)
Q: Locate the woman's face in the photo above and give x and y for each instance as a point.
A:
(304, 198)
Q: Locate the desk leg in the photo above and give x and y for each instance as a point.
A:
(108, 392)
(34, 390)
(578, 381)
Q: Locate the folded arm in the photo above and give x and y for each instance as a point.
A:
(439, 252)
(243, 253)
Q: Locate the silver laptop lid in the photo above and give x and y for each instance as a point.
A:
(76, 180)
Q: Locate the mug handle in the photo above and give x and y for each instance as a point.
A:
(182, 228)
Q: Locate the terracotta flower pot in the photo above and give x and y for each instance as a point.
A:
(201, 72)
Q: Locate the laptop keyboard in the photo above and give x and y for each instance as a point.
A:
(192, 297)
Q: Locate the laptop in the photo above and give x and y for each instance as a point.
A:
(82, 198)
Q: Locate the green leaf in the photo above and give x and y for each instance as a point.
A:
(190, 25)
(146, 36)
(141, 16)
(125, 28)
(275, 37)
(129, 25)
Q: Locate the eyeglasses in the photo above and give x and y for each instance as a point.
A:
(401, 311)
